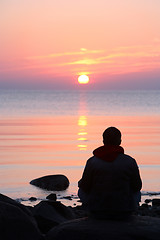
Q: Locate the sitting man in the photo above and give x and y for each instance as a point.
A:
(110, 185)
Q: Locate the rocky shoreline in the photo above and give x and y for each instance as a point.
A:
(50, 220)
(150, 207)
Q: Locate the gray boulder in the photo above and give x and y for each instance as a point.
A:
(138, 228)
(17, 224)
(51, 182)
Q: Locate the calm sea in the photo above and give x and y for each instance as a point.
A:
(55, 132)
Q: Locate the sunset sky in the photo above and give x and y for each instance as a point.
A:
(48, 44)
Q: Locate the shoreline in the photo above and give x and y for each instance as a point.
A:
(73, 199)
(50, 219)
(150, 206)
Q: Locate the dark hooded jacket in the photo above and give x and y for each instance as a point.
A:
(110, 179)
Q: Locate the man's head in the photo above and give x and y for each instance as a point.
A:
(112, 136)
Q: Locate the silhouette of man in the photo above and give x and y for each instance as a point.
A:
(111, 183)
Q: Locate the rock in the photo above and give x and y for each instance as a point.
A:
(6, 199)
(148, 200)
(146, 228)
(156, 202)
(17, 224)
(157, 212)
(52, 182)
(52, 197)
(144, 205)
(50, 213)
(80, 211)
(67, 197)
(32, 199)
(148, 210)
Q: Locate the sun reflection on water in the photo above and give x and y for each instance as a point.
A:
(82, 134)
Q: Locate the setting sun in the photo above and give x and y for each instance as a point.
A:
(83, 79)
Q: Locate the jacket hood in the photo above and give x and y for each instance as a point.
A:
(108, 153)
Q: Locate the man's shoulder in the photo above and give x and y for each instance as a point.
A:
(127, 158)
(91, 159)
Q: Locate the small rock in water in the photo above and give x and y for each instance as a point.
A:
(52, 196)
(148, 201)
(33, 199)
(67, 197)
(57, 182)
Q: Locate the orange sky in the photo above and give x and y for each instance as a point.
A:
(50, 43)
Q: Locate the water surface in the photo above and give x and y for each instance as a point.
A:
(51, 132)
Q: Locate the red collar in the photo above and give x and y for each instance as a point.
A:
(108, 153)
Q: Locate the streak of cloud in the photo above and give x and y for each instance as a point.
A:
(83, 51)
(114, 61)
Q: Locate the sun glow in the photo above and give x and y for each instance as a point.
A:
(82, 134)
(83, 79)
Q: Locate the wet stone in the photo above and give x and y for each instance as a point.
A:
(52, 197)
(148, 201)
(67, 197)
(32, 199)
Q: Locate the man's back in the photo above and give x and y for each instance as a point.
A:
(111, 185)
(110, 178)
